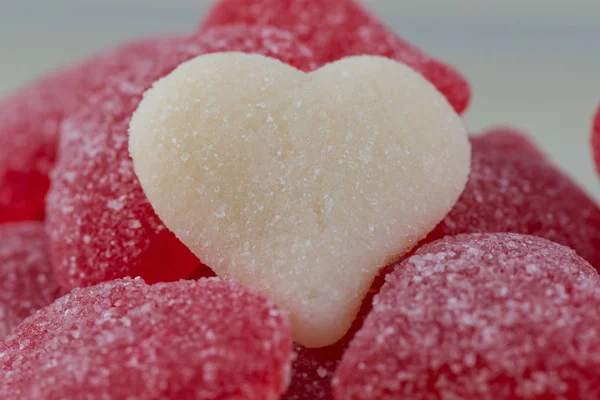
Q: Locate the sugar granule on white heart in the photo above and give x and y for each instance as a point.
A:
(307, 188)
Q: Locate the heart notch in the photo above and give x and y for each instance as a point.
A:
(300, 185)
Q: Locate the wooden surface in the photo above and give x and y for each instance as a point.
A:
(533, 64)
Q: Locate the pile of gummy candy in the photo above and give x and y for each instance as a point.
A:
(296, 186)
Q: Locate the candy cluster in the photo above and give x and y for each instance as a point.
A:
(364, 246)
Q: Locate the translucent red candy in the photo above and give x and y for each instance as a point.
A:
(509, 141)
(26, 280)
(30, 123)
(514, 188)
(124, 339)
(596, 139)
(334, 29)
(313, 369)
(100, 224)
(481, 317)
(202, 272)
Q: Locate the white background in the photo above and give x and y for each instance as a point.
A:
(534, 64)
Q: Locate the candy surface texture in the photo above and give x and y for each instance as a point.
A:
(514, 188)
(300, 185)
(124, 339)
(29, 124)
(482, 316)
(31, 119)
(509, 141)
(26, 280)
(335, 29)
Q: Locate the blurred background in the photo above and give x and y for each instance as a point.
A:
(533, 64)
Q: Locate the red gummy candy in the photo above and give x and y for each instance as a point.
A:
(100, 223)
(481, 317)
(202, 272)
(596, 139)
(26, 279)
(124, 339)
(514, 188)
(508, 141)
(30, 122)
(312, 372)
(313, 368)
(335, 29)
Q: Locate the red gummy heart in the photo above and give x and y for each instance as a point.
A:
(596, 139)
(482, 316)
(334, 29)
(124, 339)
(101, 225)
(514, 188)
(26, 280)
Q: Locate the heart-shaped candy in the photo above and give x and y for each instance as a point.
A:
(300, 185)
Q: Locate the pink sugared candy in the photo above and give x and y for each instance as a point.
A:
(335, 29)
(509, 141)
(312, 372)
(124, 339)
(30, 122)
(596, 139)
(514, 188)
(480, 317)
(313, 369)
(101, 225)
(26, 279)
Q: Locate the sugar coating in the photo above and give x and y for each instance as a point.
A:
(124, 339)
(596, 139)
(516, 189)
(30, 122)
(481, 316)
(335, 29)
(305, 189)
(312, 372)
(100, 223)
(26, 280)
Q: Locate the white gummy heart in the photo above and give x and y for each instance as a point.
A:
(300, 185)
